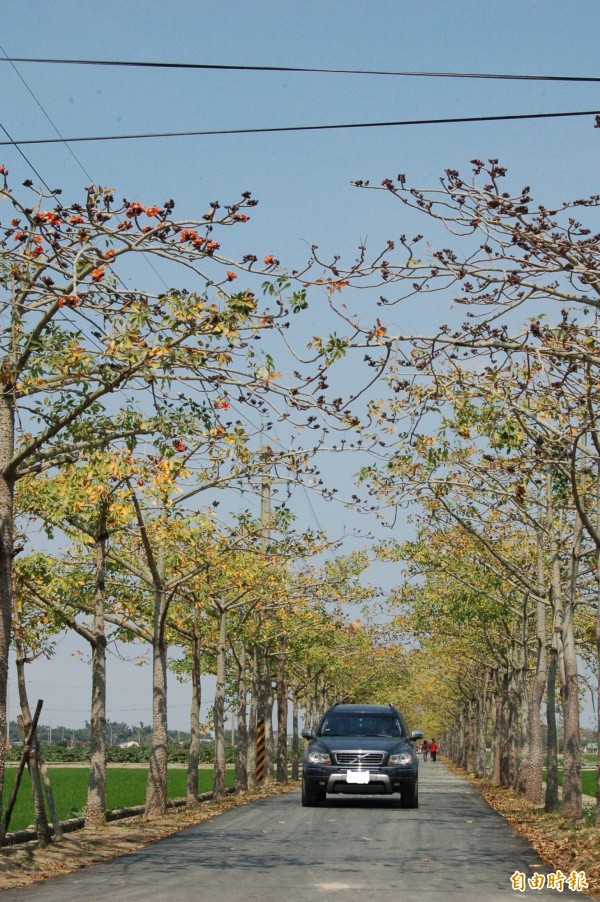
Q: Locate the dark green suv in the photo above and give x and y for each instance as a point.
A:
(362, 749)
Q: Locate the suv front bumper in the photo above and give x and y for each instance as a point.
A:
(383, 781)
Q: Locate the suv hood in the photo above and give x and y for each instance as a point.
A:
(360, 743)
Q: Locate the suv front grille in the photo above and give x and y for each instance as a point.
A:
(359, 759)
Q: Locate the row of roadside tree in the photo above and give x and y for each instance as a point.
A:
(121, 409)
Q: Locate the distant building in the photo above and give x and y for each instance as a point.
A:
(131, 744)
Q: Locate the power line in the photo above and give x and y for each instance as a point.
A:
(70, 150)
(45, 113)
(146, 64)
(27, 160)
(301, 128)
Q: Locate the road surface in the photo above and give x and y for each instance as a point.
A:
(354, 849)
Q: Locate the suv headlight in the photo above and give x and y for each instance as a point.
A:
(319, 758)
(401, 758)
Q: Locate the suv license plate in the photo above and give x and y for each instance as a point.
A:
(357, 776)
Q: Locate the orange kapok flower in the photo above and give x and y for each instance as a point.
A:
(69, 300)
(135, 209)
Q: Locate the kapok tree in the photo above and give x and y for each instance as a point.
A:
(88, 502)
(87, 361)
(515, 281)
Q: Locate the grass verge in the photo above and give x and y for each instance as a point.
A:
(125, 787)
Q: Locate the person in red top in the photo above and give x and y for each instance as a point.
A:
(433, 749)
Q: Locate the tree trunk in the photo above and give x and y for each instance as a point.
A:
(25, 720)
(572, 798)
(194, 750)
(551, 799)
(572, 806)
(241, 749)
(598, 696)
(502, 731)
(482, 718)
(219, 709)
(564, 640)
(95, 813)
(512, 711)
(156, 789)
(534, 774)
(598, 648)
(282, 716)
(40, 817)
(252, 730)
(295, 738)
(309, 710)
(316, 709)
(269, 732)
(461, 738)
(535, 758)
(323, 697)
(523, 700)
(7, 435)
(469, 750)
(598, 651)
(495, 767)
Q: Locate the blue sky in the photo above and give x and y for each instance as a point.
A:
(302, 180)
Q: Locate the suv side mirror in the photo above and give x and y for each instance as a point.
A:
(416, 734)
(308, 734)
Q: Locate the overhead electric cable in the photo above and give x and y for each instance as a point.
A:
(39, 104)
(27, 160)
(65, 142)
(147, 64)
(300, 128)
(70, 149)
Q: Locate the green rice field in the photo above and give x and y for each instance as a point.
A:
(125, 787)
(588, 781)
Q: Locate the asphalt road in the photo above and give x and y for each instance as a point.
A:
(454, 847)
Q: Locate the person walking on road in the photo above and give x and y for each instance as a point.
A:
(433, 749)
(425, 748)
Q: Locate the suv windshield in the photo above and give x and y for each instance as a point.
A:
(361, 725)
